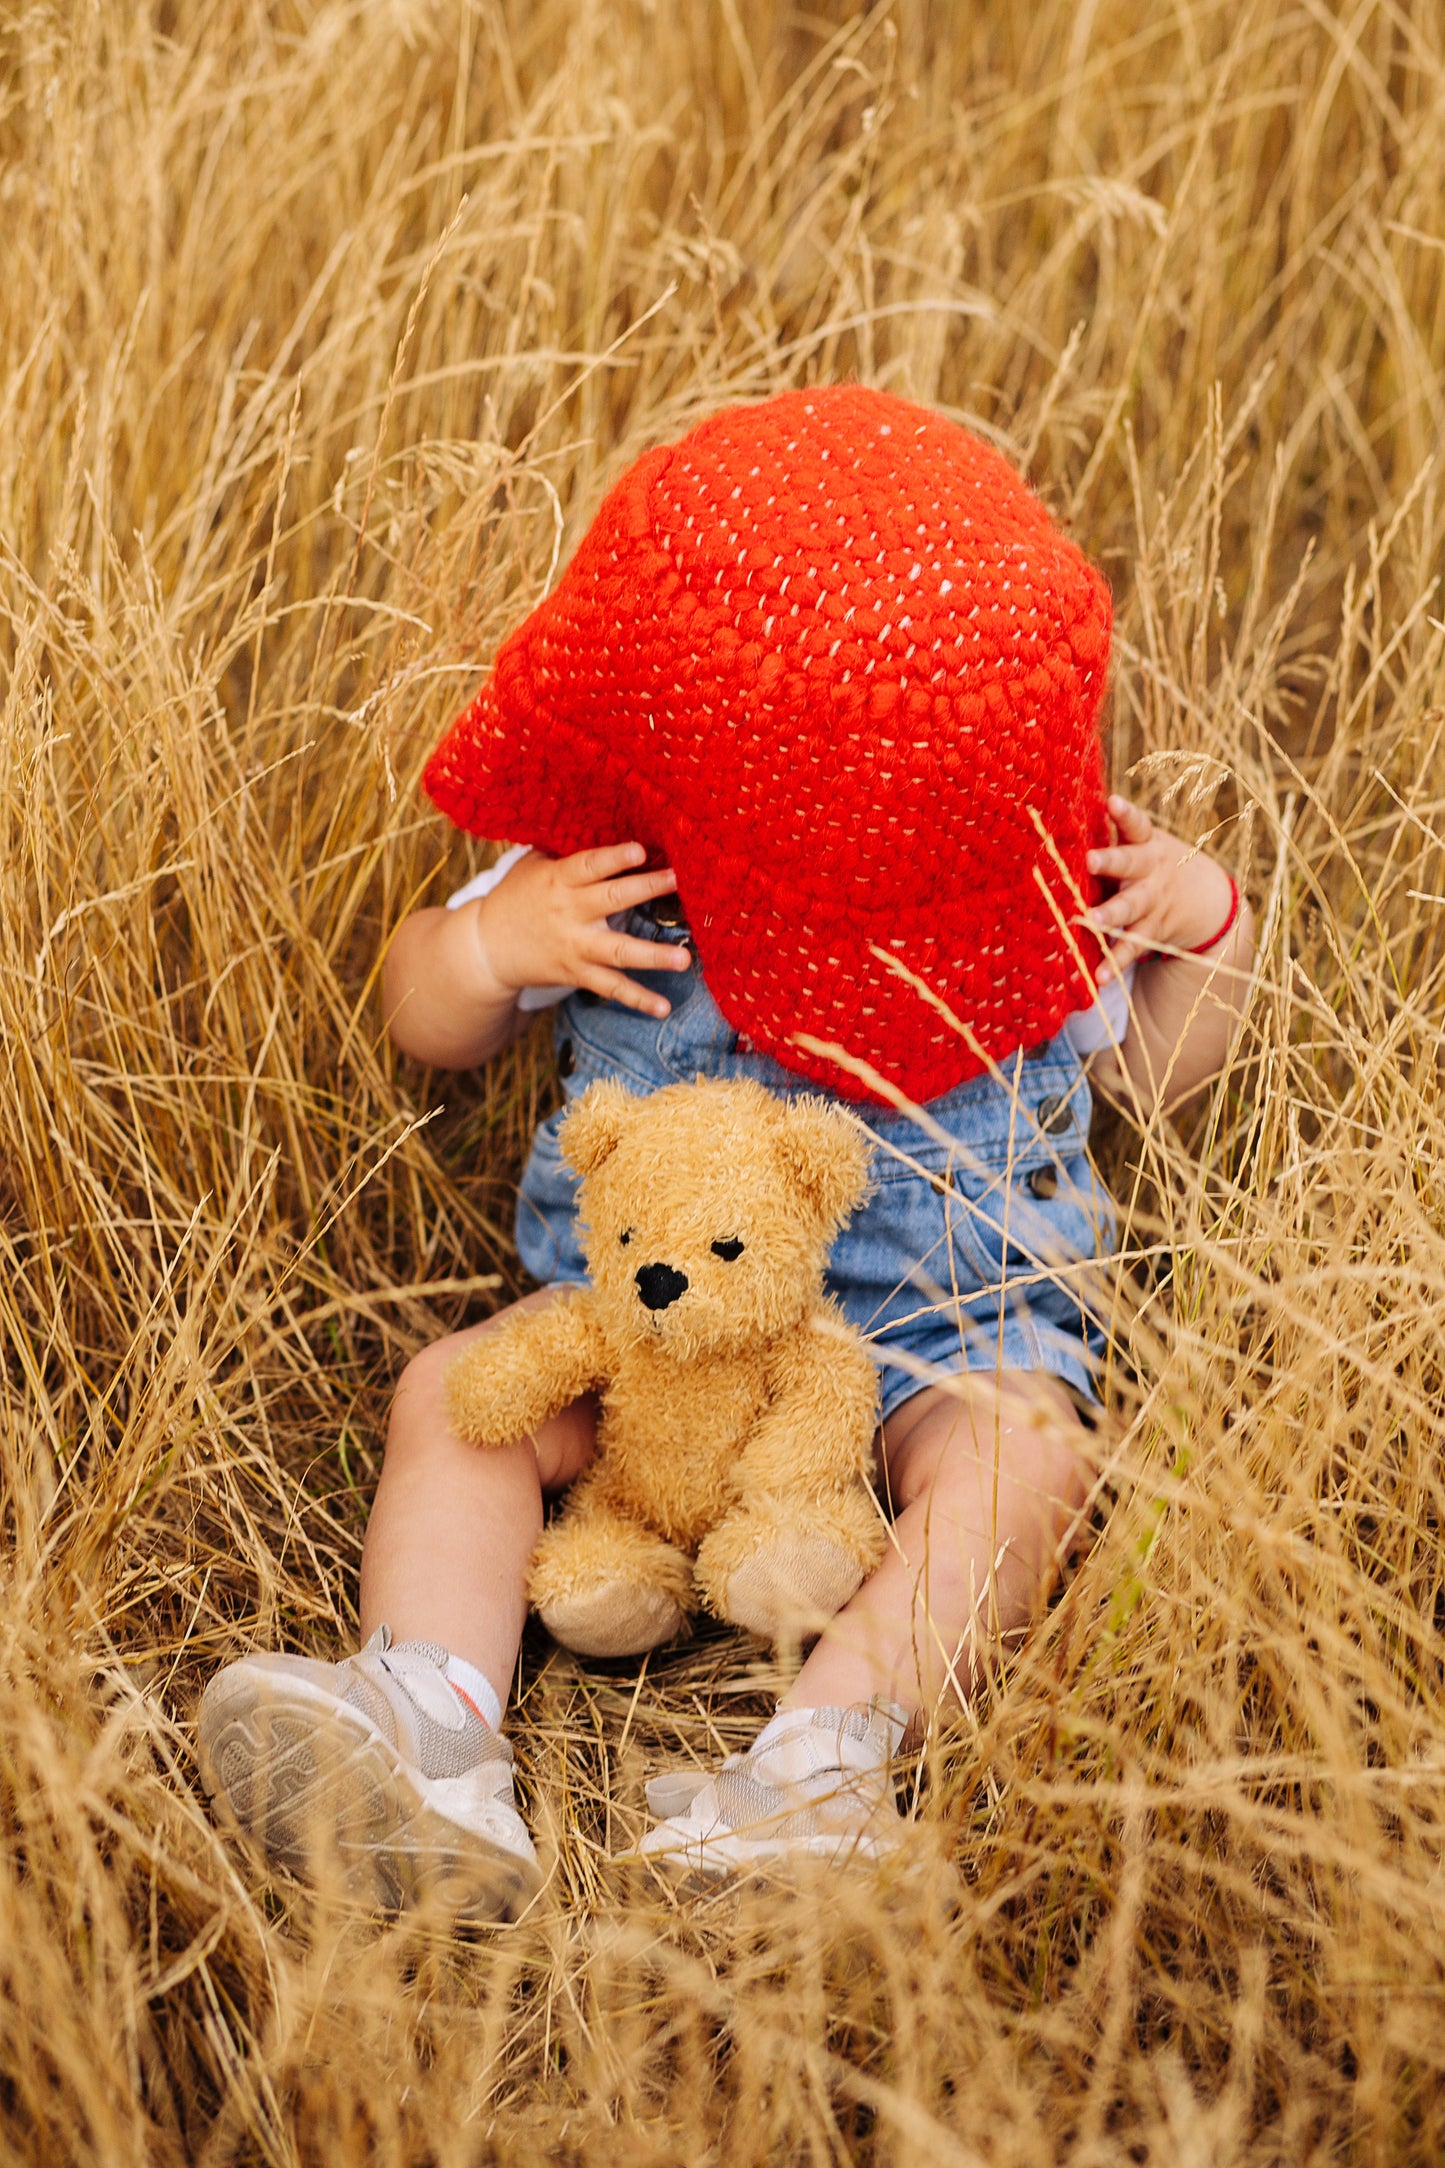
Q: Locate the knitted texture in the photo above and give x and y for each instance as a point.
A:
(831, 659)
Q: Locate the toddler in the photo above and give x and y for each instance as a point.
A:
(802, 767)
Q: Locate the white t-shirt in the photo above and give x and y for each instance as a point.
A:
(1103, 1024)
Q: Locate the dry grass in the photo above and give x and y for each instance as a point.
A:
(323, 326)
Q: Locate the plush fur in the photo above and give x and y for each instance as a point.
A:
(738, 1407)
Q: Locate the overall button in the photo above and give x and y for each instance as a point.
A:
(566, 1058)
(1053, 1114)
(1044, 1182)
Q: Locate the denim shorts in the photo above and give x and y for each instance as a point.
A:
(978, 1248)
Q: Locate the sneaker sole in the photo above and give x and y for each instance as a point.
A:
(703, 1864)
(313, 1784)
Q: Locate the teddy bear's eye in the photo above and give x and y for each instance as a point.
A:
(625, 1237)
(728, 1250)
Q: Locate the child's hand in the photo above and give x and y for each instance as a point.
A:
(546, 925)
(1169, 895)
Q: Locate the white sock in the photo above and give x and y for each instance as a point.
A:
(474, 1686)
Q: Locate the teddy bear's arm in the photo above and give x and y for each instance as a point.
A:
(513, 1377)
(823, 1416)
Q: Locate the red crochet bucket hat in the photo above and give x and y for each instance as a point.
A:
(831, 659)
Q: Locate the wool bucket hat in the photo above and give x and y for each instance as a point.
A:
(832, 659)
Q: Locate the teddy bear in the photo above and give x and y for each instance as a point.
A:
(737, 1406)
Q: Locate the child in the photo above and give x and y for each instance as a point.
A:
(805, 743)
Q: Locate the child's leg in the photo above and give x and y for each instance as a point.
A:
(453, 1528)
(985, 1490)
(386, 1764)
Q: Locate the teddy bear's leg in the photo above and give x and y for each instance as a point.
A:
(605, 1586)
(782, 1569)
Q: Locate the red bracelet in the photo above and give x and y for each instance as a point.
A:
(1228, 926)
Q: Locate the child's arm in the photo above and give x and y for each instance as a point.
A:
(450, 979)
(1185, 1009)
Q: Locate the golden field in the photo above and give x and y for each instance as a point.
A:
(324, 324)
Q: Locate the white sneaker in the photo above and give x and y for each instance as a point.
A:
(376, 1764)
(814, 1784)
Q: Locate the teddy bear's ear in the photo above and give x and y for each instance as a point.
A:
(825, 1158)
(594, 1124)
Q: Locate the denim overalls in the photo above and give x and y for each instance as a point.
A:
(975, 1253)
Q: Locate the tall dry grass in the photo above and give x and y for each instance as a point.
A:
(323, 326)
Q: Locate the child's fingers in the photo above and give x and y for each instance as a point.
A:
(585, 869)
(628, 892)
(1125, 908)
(1132, 822)
(603, 967)
(1125, 949)
(616, 986)
(602, 887)
(1122, 862)
(623, 952)
(1123, 925)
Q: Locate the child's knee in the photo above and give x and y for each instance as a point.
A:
(421, 1390)
(421, 1423)
(1018, 1451)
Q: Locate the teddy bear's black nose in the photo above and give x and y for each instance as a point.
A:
(659, 1285)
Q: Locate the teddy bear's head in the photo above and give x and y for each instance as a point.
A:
(708, 1209)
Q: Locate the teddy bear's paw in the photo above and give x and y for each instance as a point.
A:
(790, 1589)
(617, 1618)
